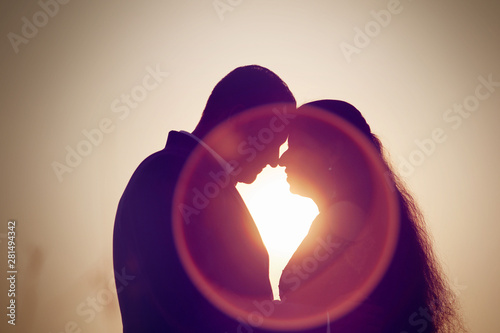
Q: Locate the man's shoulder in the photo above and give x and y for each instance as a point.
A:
(162, 161)
(168, 161)
(158, 173)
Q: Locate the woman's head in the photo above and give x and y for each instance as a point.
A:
(331, 152)
(327, 152)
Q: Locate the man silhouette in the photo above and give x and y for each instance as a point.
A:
(183, 235)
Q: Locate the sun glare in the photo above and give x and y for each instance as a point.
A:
(283, 218)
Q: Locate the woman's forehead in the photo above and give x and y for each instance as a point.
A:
(301, 138)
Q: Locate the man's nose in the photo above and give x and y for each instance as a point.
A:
(273, 162)
(282, 159)
(274, 157)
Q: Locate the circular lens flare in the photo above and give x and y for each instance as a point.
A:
(222, 251)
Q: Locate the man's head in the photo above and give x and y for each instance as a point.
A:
(247, 105)
(243, 88)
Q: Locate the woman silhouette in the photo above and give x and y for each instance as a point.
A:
(365, 265)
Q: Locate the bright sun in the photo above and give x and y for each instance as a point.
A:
(283, 218)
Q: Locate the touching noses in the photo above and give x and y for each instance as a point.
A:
(274, 159)
(282, 160)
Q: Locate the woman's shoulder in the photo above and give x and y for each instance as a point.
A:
(345, 219)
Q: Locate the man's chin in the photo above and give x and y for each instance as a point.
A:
(247, 179)
(248, 176)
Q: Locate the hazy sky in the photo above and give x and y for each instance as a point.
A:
(426, 75)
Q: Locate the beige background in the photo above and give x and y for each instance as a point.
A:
(64, 78)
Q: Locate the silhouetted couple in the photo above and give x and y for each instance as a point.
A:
(197, 259)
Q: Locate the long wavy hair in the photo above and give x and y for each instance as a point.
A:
(414, 273)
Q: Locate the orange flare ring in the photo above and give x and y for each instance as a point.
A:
(254, 315)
